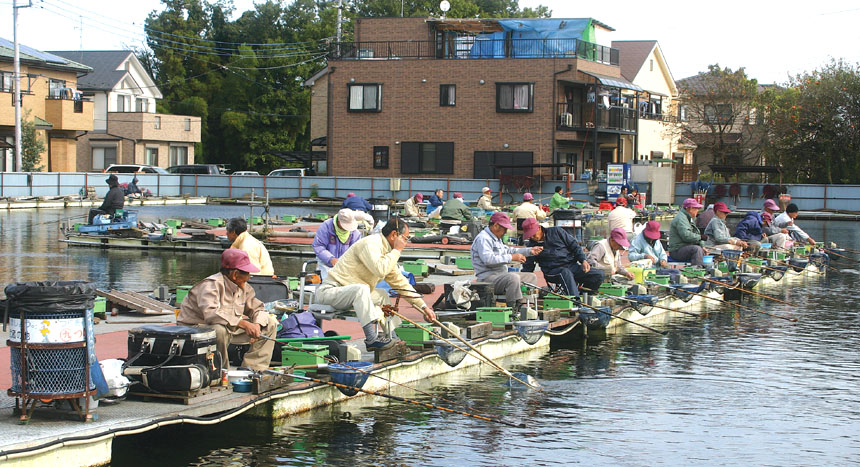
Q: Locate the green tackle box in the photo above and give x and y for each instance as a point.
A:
(411, 334)
(288, 218)
(293, 283)
(777, 255)
(615, 290)
(662, 279)
(216, 222)
(181, 293)
(291, 355)
(418, 268)
(557, 303)
(464, 262)
(99, 306)
(496, 315)
(173, 223)
(691, 271)
(256, 220)
(75, 227)
(322, 216)
(723, 267)
(799, 250)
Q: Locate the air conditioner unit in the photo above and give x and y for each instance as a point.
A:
(566, 119)
(365, 53)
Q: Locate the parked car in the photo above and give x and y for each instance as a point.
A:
(292, 172)
(195, 169)
(246, 172)
(134, 168)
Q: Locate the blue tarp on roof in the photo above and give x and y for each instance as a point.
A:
(560, 38)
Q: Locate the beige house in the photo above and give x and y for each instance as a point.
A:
(126, 129)
(50, 98)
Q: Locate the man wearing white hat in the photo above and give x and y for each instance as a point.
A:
(335, 236)
(485, 202)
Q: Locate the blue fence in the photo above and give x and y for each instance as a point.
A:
(807, 197)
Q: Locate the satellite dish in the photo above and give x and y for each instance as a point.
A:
(444, 6)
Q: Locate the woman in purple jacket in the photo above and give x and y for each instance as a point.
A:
(334, 237)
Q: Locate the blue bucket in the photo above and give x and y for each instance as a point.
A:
(708, 259)
(345, 373)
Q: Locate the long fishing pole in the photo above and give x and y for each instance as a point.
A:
(723, 284)
(507, 373)
(332, 359)
(726, 302)
(648, 304)
(570, 297)
(403, 399)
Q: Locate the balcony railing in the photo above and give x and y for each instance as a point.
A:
(577, 116)
(474, 48)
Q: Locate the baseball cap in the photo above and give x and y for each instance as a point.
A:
(234, 258)
(530, 227)
(501, 219)
(691, 203)
(528, 197)
(721, 206)
(652, 230)
(767, 216)
(621, 200)
(458, 195)
(346, 219)
(419, 197)
(350, 195)
(620, 236)
(486, 189)
(771, 204)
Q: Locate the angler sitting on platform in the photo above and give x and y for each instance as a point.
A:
(225, 302)
(718, 232)
(685, 239)
(647, 245)
(786, 221)
(436, 203)
(410, 208)
(772, 233)
(455, 209)
(756, 228)
(485, 202)
(351, 283)
(558, 200)
(606, 254)
(237, 232)
(356, 203)
(527, 210)
(114, 199)
(562, 256)
(621, 217)
(490, 258)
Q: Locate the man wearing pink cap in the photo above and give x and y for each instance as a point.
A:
(356, 203)
(561, 257)
(225, 302)
(455, 209)
(685, 239)
(718, 232)
(490, 258)
(647, 245)
(527, 210)
(410, 209)
(606, 254)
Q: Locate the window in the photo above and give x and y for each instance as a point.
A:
(7, 81)
(514, 97)
(141, 105)
(150, 156)
(448, 95)
(123, 103)
(380, 157)
(55, 88)
(103, 157)
(178, 155)
(683, 113)
(157, 123)
(718, 113)
(426, 158)
(187, 124)
(365, 97)
(651, 64)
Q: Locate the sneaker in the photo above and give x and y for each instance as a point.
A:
(380, 343)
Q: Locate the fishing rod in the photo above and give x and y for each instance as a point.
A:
(401, 399)
(577, 299)
(820, 273)
(507, 373)
(738, 305)
(698, 315)
(723, 284)
(333, 359)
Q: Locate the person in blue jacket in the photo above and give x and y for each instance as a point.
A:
(356, 203)
(436, 202)
(561, 256)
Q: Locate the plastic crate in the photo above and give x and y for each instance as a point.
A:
(256, 220)
(417, 268)
(723, 267)
(181, 293)
(173, 223)
(464, 263)
(557, 303)
(693, 272)
(322, 216)
(290, 355)
(777, 255)
(662, 279)
(215, 222)
(293, 283)
(288, 218)
(799, 250)
(99, 305)
(496, 315)
(411, 334)
(613, 289)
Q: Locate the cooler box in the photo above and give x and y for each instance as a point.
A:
(496, 315)
(464, 263)
(418, 268)
(412, 334)
(290, 355)
(613, 289)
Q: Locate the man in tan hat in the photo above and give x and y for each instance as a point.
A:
(485, 202)
(224, 301)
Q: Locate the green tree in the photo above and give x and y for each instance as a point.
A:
(459, 9)
(31, 146)
(814, 125)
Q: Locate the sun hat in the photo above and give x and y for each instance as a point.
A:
(652, 230)
(346, 219)
(234, 258)
(530, 227)
(620, 236)
(501, 219)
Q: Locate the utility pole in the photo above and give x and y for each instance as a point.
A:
(17, 96)
(339, 27)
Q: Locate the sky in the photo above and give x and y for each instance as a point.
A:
(770, 40)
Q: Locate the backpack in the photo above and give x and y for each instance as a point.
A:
(302, 324)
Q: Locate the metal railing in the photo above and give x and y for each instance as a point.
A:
(468, 47)
(575, 116)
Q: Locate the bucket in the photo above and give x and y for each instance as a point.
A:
(181, 293)
(347, 373)
(708, 259)
(637, 273)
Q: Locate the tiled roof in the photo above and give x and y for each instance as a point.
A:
(632, 55)
(104, 64)
(38, 58)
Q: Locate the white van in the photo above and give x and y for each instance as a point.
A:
(292, 172)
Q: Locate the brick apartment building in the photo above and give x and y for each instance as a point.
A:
(463, 97)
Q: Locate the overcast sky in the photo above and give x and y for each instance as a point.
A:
(770, 39)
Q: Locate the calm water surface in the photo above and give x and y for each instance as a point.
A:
(727, 389)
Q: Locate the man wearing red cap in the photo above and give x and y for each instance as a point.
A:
(647, 245)
(561, 256)
(225, 302)
(606, 254)
(621, 217)
(490, 258)
(455, 209)
(685, 239)
(410, 208)
(527, 210)
(718, 233)
(356, 203)
(485, 202)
